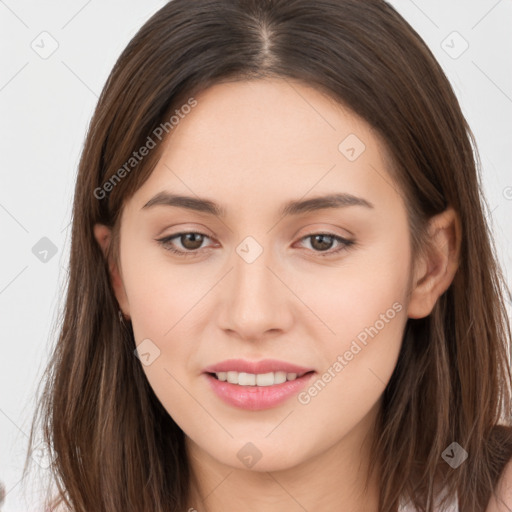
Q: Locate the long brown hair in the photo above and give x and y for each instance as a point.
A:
(114, 445)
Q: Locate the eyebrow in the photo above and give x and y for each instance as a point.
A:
(294, 207)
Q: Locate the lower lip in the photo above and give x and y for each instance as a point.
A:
(257, 398)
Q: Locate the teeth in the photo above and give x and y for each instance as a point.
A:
(260, 379)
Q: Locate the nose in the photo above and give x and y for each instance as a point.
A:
(256, 301)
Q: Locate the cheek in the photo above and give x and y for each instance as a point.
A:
(364, 304)
(369, 285)
(358, 361)
(162, 300)
(159, 290)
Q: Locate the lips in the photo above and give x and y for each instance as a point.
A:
(257, 367)
(233, 382)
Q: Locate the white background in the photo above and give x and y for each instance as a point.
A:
(45, 107)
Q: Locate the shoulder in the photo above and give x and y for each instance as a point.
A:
(501, 500)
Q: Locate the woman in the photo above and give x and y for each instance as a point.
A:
(283, 294)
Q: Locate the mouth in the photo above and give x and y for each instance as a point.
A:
(256, 385)
(257, 391)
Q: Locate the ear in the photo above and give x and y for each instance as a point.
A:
(103, 236)
(435, 269)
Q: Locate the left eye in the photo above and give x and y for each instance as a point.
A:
(191, 243)
(320, 240)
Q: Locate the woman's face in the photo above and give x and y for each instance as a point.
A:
(260, 282)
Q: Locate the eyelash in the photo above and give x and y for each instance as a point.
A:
(165, 242)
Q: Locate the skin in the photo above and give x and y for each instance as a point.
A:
(252, 146)
(502, 500)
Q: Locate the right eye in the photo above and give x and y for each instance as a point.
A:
(191, 241)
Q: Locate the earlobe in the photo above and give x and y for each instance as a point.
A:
(103, 235)
(436, 268)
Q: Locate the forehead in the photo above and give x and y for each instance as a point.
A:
(262, 141)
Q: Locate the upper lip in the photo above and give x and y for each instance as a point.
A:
(256, 367)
